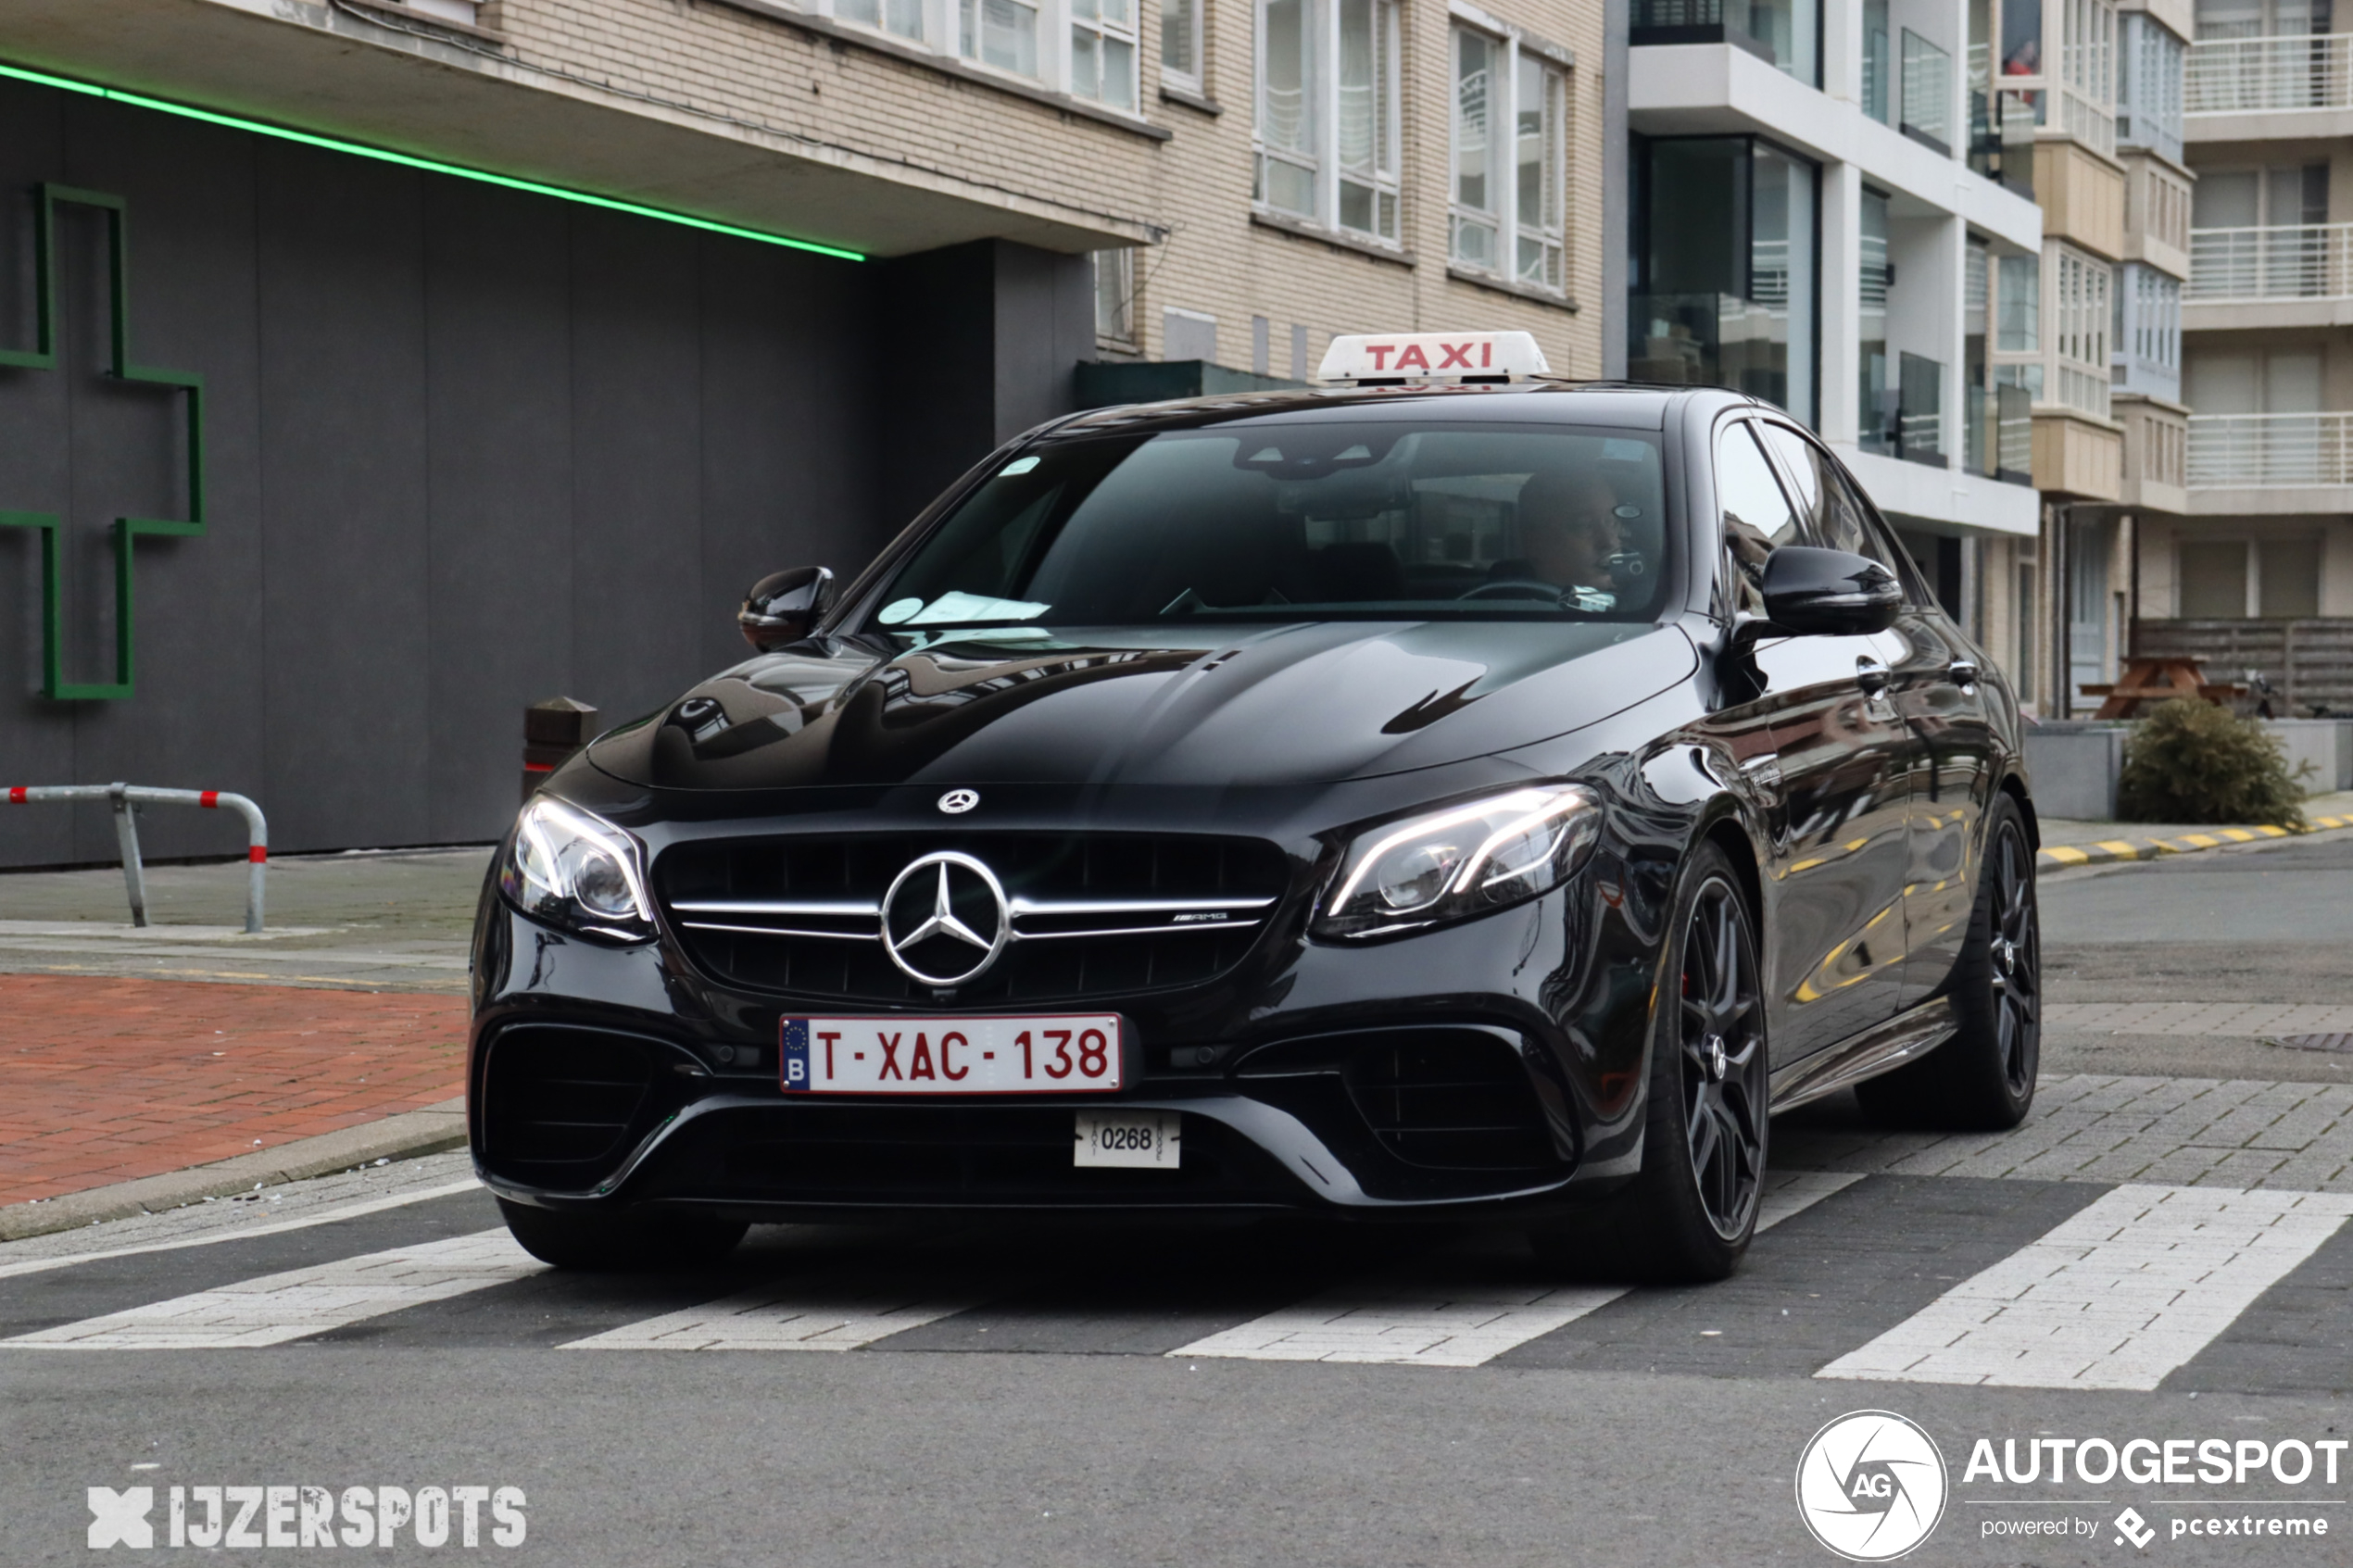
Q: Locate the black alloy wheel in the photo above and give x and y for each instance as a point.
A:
(1983, 1078)
(1725, 1089)
(2017, 954)
(1687, 1216)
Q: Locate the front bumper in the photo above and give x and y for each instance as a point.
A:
(1490, 1067)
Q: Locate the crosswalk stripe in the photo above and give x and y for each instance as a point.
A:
(2117, 1297)
(789, 1315)
(273, 1309)
(1393, 1322)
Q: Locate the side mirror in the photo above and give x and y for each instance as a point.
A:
(1812, 592)
(783, 606)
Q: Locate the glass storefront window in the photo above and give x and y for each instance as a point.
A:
(1727, 273)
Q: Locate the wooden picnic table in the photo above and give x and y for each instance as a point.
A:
(2148, 680)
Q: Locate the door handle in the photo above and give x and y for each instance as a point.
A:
(1872, 675)
(1962, 672)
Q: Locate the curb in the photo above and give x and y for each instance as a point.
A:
(2110, 850)
(404, 1136)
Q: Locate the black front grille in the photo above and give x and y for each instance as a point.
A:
(560, 1104)
(1450, 1099)
(823, 941)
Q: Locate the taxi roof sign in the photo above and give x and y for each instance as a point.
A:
(1439, 358)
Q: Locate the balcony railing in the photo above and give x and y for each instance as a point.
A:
(2284, 261)
(2257, 451)
(1927, 93)
(2243, 75)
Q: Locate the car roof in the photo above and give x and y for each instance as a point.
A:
(1616, 405)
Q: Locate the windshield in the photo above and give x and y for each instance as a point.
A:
(1322, 520)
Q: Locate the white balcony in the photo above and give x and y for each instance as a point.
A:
(2271, 464)
(2230, 77)
(2286, 275)
(2283, 261)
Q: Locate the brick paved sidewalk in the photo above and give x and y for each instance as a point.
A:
(106, 1080)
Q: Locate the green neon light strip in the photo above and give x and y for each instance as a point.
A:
(404, 160)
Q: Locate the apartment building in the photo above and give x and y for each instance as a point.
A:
(489, 350)
(2110, 449)
(1366, 165)
(1816, 218)
(2257, 573)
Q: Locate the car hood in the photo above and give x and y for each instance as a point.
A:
(1222, 707)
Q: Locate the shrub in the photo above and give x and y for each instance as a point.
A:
(2193, 762)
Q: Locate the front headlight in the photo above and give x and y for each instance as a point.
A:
(1462, 862)
(577, 872)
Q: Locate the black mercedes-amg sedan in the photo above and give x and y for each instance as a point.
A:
(1450, 792)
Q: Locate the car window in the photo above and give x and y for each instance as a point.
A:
(1300, 519)
(1833, 515)
(1757, 517)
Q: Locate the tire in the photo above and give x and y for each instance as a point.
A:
(607, 1242)
(1688, 1216)
(1982, 1079)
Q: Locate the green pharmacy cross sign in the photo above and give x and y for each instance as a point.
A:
(43, 357)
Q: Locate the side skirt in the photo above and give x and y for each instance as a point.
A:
(1910, 1033)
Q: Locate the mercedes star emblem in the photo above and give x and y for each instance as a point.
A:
(956, 802)
(920, 917)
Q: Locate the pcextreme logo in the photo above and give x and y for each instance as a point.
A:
(1870, 1485)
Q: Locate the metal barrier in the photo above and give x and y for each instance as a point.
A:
(125, 797)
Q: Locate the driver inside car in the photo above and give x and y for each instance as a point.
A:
(1570, 537)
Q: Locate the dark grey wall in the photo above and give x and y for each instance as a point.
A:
(467, 448)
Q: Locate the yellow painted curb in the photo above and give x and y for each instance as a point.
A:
(2109, 850)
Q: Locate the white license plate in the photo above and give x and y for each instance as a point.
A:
(1150, 1138)
(1065, 1053)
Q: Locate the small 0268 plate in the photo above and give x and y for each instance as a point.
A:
(1152, 1140)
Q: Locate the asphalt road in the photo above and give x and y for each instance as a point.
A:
(2167, 1236)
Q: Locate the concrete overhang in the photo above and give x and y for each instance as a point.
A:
(2282, 500)
(2267, 125)
(1716, 89)
(1944, 500)
(326, 70)
(2261, 315)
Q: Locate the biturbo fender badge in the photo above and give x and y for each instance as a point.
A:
(941, 912)
(956, 802)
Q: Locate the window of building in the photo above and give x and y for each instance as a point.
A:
(1181, 44)
(1875, 399)
(904, 18)
(1002, 33)
(2019, 310)
(2150, 63)
(1540, 111)
(2079, 335)
(2147, 332)
(1367, 123)
(2055, 63)
(1116, 297)
(1478, 195)
(1508, 221)
(1927, 93)
(1102, 52)
(1787, 33)
(1726, 283)
(1876, 61)
(1327, 113)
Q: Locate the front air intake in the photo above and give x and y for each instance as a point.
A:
(562, 1104)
